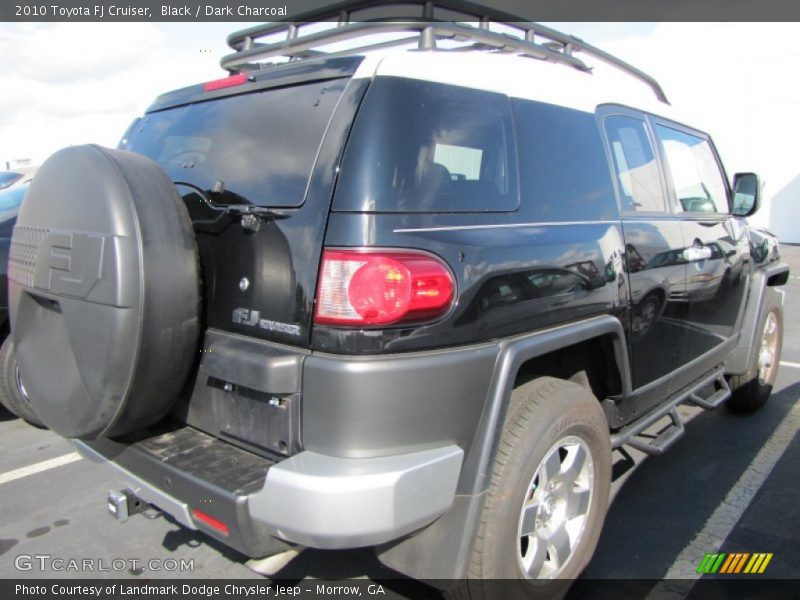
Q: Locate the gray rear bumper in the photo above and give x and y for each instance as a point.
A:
(309, 499)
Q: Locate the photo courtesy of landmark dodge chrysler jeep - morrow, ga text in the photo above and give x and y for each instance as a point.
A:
(416, 299)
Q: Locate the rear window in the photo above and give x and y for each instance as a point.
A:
(418, 146)
(262, 146)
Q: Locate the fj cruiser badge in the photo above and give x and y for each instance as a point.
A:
(245, 316)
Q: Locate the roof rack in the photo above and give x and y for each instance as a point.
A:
(435, 20)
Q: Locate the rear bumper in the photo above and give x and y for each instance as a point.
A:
(309, 499)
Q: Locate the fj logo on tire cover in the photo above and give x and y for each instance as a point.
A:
(69, 263)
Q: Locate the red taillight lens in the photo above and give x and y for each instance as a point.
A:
(357, 287)
(225, 82)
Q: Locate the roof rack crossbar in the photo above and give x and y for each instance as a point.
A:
(433, 30)
(436, 20)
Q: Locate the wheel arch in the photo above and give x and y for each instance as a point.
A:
(514, 357)
(762, 281)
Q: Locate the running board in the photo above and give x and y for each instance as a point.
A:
(721, 394)
(633, 435)
(664, 440)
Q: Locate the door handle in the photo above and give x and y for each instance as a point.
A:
(696, 253)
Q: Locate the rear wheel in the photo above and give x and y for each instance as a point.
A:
(752, 389)
(13, 394)
(550, 487)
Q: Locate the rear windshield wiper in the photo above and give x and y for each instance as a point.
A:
(234, 204)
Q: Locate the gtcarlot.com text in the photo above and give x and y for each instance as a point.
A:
(50, 563)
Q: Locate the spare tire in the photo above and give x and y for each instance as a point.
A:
(103, 292)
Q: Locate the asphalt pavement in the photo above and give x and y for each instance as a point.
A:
(729, 485)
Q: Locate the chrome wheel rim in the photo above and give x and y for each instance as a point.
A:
(555, 510)
(20, 386)
(767, 352)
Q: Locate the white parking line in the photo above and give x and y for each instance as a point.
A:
(682, 575)
(45, 465)
(786, 363)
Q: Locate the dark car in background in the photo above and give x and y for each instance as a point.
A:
(10, 201)
(13, 394)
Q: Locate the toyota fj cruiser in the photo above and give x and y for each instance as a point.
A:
(416, 300)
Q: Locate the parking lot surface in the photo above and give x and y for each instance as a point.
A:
(729, 485)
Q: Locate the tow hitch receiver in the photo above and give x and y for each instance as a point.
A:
(124, 503)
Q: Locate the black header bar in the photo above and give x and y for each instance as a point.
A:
(272, 10)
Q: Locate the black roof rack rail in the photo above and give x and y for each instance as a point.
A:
(436, 20)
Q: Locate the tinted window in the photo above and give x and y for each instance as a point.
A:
(637, 172)
(563, 169)
(261, 145)
(418, 146)
(696, 178)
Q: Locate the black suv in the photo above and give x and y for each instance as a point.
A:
(413, 300)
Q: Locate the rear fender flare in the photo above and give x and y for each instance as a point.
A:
(513, 353)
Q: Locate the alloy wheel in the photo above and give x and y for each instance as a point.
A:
(555, 510)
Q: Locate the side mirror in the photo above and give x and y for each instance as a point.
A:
(746, 194)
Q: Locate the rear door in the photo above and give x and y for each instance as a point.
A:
(717, 251)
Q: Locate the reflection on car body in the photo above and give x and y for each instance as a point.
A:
(505, 300)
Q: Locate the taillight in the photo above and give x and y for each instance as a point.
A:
(358, 287)
(225, 82)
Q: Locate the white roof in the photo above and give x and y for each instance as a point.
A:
(519, 77)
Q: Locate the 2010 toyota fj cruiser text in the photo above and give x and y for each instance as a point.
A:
(412, 300)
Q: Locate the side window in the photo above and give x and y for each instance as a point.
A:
(634, 163)
(563, 167)
(696, 177)
(419, 146)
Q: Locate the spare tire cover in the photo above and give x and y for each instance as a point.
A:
(103, 292)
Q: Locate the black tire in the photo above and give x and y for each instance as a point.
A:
(104, 292)
(544, 414)
(751, 389)
(11, 395)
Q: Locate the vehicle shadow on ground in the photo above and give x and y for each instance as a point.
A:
(182, 536)
(667, 499)
(6, 415)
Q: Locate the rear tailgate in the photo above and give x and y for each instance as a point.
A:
(267, 144)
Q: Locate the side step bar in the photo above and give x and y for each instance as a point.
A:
(633, 435)
(721, 394)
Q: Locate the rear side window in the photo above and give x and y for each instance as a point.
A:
(418, 146)
(262, 146)
(563, 168)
